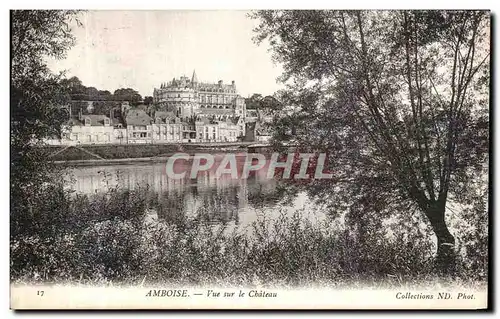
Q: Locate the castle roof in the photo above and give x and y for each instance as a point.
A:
(137, 117)
(95, 120)
(163, 114)
(184, 81)
(235, 119)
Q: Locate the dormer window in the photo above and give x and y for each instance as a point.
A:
(106, 122)
(87, 122)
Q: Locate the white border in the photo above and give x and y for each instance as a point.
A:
(197, 5)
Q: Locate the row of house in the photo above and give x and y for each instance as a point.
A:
(136, 126)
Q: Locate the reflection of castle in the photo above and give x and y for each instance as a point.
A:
(221, 198)
(187, 97)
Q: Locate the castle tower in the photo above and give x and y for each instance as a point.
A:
(194, 79)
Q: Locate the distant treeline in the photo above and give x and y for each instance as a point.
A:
(257, 101)
(79, 92)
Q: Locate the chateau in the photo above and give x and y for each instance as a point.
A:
(185, 111)
(187, 97)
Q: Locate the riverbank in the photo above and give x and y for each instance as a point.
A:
(112, 154)
(111, 238)
(110, 162)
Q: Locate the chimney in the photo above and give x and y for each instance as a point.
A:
(220, 82)
(111, 115)
(124, 106)
(80, 114)
(232, 83)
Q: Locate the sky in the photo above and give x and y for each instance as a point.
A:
(141, 49)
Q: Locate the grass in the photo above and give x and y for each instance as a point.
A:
(106, 239)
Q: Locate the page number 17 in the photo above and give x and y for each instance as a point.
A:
(39, 293)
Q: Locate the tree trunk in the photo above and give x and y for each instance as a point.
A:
(445, 258)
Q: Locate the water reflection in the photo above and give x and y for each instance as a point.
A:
(218, 199)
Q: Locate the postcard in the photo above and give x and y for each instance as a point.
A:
(261, 159)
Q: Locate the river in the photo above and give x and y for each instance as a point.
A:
(234, 200)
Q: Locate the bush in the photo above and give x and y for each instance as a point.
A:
(111, 239)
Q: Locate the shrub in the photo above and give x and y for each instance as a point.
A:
(110, 239)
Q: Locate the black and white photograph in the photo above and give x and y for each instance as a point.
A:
(250, 159)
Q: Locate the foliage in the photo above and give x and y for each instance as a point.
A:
(252, 102)
(127, 94)
(473, 236)
(79, 92)
(148, 100)
(111, 238)
(35, 104)
(259, 102)
(399, 99)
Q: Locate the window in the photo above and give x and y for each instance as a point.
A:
(106, 122)
(87, 122)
